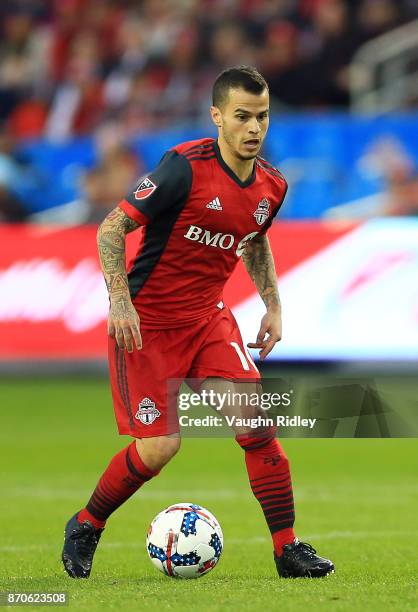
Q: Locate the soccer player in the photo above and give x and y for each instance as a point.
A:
(208, 203)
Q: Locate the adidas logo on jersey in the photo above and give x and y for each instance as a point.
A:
(215, 204)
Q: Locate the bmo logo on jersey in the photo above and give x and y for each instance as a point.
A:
(222, 241)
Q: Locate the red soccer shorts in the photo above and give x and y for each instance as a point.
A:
(210, 347)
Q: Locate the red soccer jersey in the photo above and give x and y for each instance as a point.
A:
(197, 217)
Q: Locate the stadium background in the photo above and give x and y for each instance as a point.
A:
(91, 94)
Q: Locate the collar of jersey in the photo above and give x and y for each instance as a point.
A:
(250, 180)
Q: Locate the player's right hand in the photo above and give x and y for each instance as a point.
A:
(123, 324)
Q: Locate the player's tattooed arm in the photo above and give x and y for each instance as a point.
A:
(111, 245)
(258, 260)
(123, 323)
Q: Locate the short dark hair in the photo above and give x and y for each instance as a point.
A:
(238, 77)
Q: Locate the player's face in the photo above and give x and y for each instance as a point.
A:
(244, 122)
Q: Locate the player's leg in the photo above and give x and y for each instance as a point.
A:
(270, 480)
(127, 471)
(224, 355)
(266, 462)
(141, 402)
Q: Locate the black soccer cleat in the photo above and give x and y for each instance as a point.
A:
(80, 543)
(299, 560)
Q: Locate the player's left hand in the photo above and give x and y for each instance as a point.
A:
(271, 326)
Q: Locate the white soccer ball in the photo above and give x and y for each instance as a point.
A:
(185, 541)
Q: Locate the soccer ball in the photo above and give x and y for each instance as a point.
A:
(184, 541)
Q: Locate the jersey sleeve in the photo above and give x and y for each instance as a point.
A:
(168, 184)
(275, 210)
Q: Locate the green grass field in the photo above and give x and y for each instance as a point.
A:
(356, 502)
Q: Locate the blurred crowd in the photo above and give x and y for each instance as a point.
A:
(67, 65)
(70, 68)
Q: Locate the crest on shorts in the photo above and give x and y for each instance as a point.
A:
(145, 189)
(262, 212)
(147, 411)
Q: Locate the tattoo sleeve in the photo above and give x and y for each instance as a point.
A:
(111, 244)
(258, 260)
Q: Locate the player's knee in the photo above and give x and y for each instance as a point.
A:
(156, 452)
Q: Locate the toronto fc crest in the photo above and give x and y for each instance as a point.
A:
(262, 212)
(147, 411)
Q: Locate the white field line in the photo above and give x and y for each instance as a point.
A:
(251, 541)
(144, 494)
(301, 493)
(74, 494)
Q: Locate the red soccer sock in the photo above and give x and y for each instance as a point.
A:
(84, 515)
(269, 475)
(125, 474)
